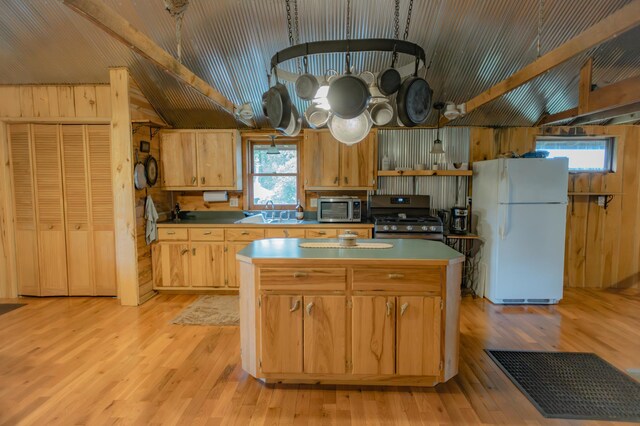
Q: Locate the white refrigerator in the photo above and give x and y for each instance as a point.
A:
(521, 209)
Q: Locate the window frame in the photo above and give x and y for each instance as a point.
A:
(609, 153)
(251, 143)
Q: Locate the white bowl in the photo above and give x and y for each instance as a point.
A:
(350, 131)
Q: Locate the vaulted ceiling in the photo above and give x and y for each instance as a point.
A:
(470, 44)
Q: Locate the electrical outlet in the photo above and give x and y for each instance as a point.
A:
(314, 202)
(601, 200)
(233, 202)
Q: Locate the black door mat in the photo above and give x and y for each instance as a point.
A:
(8, 307)
(572, 385)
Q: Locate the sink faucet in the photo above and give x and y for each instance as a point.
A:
(273, 207)
(176, 212)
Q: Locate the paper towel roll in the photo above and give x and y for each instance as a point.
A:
(213, 196)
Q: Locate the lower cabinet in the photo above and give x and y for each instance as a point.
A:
(171, 264)
(233, 275)
(418, 340)
(281, 342)
(207, 265)
(373, 334)
(325, 327)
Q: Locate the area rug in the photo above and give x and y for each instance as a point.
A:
(211, 310)
(572, 385)
(8, 307)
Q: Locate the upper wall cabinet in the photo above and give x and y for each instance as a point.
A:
(200, 160)
(329, 164)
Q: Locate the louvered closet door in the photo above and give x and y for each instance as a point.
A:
(25, 216)
(50, 210)
(101, 208)
(76, 200)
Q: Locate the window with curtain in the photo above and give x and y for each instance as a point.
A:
(584, 154)
(273, 174)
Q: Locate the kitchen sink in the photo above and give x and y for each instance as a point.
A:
(259, 218)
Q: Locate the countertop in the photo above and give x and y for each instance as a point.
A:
(410, 250)
(230, 222)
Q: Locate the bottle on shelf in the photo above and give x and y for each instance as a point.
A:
(299, 211)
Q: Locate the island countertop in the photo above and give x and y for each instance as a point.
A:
(411, 251)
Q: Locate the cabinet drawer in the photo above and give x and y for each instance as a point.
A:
(173, 234)
(284, 233)
(303, 279)
(207, 234)
(361, 233)
(425, 279)
(244, 234)
(321, 233)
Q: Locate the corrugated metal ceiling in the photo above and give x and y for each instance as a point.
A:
(471, 46)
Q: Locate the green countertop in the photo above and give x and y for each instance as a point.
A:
(420, 251)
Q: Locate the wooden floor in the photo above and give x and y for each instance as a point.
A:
(90, 361)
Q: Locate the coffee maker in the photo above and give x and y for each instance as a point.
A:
(459, 221)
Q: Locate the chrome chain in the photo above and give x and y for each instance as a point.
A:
(540, 22)
(406, 28)
(348, 19)
(287, 2)
(396, 20)
(297, 33)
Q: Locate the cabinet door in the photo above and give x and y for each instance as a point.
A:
(24, 210)
(207, 265)
(284, 233)
(373, 334)
(232, 271)
(357, 163)
(171, 264)
(281, 334)
(418, 342)
(178, 158)
(76, 200)
(325, 334)
(49, 199)
(217, 159)
(101, 207)
(321, 160)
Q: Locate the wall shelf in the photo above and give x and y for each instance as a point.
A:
(387, 173)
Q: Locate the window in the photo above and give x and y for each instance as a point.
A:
(585, 154)
(273, 176)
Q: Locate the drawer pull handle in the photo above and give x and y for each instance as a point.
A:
(403, 308)
(389, 308)
(322, 233)
(77, 227)
(171, 233)
(335, 181)
(244, 233)
(184, 251)
(309, 307)
(193, 179)
(286, 233)
(50, 227)
(299, 274)
(202, 180)
(296, 306)
(395, 276)
(193, 251)
(207, 233)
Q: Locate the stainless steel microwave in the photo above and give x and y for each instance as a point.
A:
(339, 209)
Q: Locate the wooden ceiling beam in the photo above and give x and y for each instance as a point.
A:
(630, 110)
(622, 20)
(584, 86)
(115, 25)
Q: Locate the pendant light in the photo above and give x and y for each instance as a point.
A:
(273, 149)
(437, 144)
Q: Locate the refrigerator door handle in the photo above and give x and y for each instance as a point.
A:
(505, 177)
(504, 227)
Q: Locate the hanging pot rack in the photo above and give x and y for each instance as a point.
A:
(344, 46)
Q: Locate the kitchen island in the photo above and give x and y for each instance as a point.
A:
(387, 316)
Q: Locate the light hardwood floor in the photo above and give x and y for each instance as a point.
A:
(91, 361)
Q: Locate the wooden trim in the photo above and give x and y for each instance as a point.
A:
(425, 172)
(123, 189)
(559, 117)
(622, 20)
(584, 87)
(119, 28)
(59, 120)
(8, 274)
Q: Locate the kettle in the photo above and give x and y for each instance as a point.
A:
(445, 216)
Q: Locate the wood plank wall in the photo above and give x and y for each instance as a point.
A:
(602, 246)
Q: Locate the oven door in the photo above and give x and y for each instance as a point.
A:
(405, 236)
(335, 211)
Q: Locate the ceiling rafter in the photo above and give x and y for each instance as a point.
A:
(120, 29)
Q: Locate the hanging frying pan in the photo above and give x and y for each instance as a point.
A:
(413, 100)
(151, 170)
(139, 178)
(278, 106)
(348, 95)
(307, 84)
(389, 80)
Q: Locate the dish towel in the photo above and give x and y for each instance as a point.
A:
(151, 214)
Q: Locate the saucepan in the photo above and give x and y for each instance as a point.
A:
(350, 130)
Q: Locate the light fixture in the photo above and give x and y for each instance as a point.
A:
(453, 111)
(273, 149)
(437, 144)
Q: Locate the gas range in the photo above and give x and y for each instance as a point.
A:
(404, 216)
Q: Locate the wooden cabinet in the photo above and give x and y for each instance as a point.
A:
(171, 264)
(178, 159)
(284, 233)
(373, 334)
(329, 164)
(207, 265)
(325, 334)
(418, 341)
(334, 232)
(281, 343)
(231, 249)
(200, 159)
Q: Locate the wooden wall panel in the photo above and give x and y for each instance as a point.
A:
(141, 108)
(602, 246)
(8, 278)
